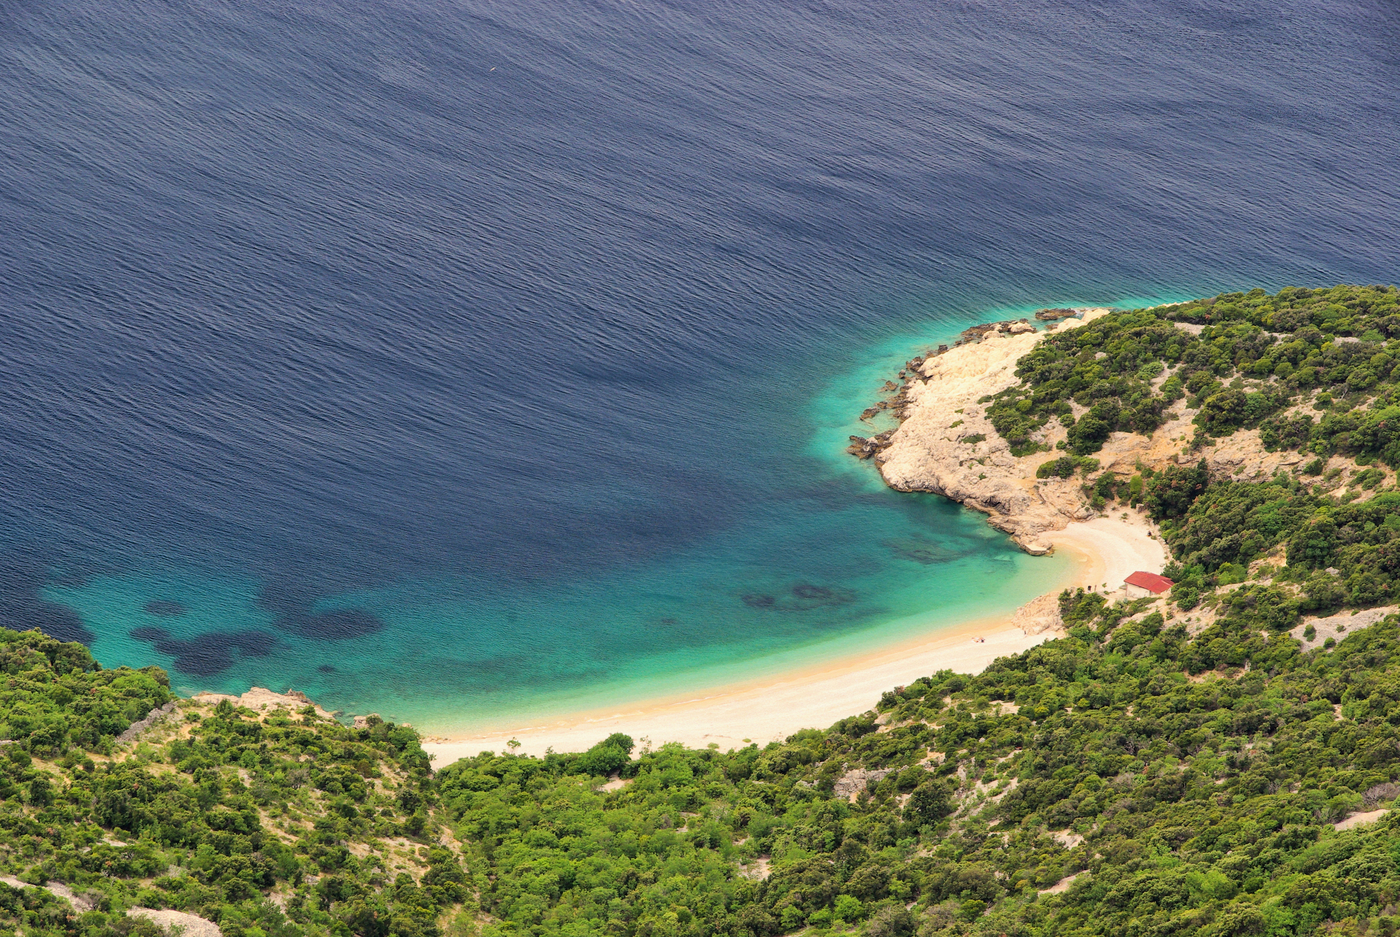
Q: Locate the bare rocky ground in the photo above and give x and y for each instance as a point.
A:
(260, 699)
(178, 922)
(79, 902)
(173, 922)
(1337, 626)
(141, 727)
(945, 444)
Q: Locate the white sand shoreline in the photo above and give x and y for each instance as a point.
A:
(817, 696)
(927, 455)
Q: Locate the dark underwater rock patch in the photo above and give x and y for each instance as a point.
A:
(22, 608)
(292, 606)
(201, 657)
(56, 621)
(149, 635)
(807, 596)
(164, 608)
(326, 668)
(926, 552)
(802, 597)
(250, 643)
(207, 655)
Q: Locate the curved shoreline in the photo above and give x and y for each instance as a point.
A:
(771, 708)
(763, 711)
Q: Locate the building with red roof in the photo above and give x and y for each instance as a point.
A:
(1141, 585)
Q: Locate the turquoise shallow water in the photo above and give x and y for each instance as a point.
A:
(463, 361)
(836, 565)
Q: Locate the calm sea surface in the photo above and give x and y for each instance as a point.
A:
(470, 361)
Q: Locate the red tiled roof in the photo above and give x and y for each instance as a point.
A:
(1149, 581)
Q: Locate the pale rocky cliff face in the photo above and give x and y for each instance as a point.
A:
(931, 450)
(935, 448)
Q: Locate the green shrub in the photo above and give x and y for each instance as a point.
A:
(848, 909)
(1170, 493)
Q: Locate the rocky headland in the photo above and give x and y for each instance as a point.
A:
(945, 443)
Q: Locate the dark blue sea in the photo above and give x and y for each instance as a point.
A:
(464, 360)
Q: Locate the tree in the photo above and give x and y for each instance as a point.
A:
(1221, 414)
(1171, 492)
(929, 803)
(1313, 546)
(608, 756)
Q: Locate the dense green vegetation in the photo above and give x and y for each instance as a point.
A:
(56, 697)
(1107, 366)
(1256, 355)
(226, 810)
(1167, 768)
(1194, 805)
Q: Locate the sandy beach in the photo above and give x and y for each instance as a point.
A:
(733, 716)
(1107, 549)
(924, 454)
(1112, 547)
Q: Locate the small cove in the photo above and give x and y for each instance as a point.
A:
(837, 566)
(469, 362)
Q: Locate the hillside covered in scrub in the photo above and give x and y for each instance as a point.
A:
(1308, 377)
(1125, 779)
(1311, 369)
(1042, 428)
(1218, 761)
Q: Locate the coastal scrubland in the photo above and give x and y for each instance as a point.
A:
(1243, 360)
(1219, 760)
